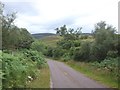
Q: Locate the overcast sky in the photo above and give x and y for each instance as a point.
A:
(43, 16)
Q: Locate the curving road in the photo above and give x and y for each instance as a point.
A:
(62, 76)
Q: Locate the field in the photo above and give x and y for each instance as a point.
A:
(51, 40)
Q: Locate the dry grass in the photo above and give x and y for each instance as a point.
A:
(43, 80)
(51, 40)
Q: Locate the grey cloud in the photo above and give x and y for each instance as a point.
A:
(20, 7)
(56, 23)
(50, 26)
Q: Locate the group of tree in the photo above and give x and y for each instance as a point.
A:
(68, 34)
(100, 44)
(13, 37)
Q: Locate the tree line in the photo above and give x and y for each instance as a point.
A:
(13, 37)
(102, 43)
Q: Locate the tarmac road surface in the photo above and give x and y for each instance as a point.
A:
(63, 76)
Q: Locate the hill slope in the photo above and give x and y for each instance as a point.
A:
(41, 35)
(51, 40)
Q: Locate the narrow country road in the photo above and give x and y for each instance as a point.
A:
(62, 76)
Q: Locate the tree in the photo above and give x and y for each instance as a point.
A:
(82, 53)
(62, 31)
(68, 34)
(12, 36)
(105, 39)
(1, 14)
(26, 39)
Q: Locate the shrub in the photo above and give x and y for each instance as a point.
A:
(112, 54)
(66, 57)
(38, 46)
(17, 67)
(98, 52)
(57, 52)
(36, 57)
(49, 51)
(15, 71)
(65, 44)
(77, 43)
(82, 53)
(109, 64)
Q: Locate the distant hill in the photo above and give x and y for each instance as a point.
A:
(41, 35)
(87, 34)
(51, 40)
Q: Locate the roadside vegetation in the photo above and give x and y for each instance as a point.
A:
(96, 54)
(100, 72)
(43, 79)
(21, 62)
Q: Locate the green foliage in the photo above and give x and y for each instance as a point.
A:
(98, 52)
(49, 51)
(112, 54)
(66, 57)
(25, 39)
(12, 36)
(35, 56)
(109, 64)
(57, 52)
(39, 46)
(81, 53)
(13, 69)
(65, 44)
(1, 73)
(62, 31)
(104, 43)
(76, 43)
(84, 37)
(68, 34)
(19, 66)
(105, 40)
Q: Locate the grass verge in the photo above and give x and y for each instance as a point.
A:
(43, 80)
(101, 76)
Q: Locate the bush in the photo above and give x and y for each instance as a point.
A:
(15, 71)
(66, 57)
(109, 64)
(82, 53)
(36, 57)
(65, 44)
(57, 52)
(49, 51)
(17, 67)
(98, 52)
(84, 37)
(112, 54)
(38, 46)
(77, 43)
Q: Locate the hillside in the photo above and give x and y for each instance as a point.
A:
(41, 35)
(51, 40)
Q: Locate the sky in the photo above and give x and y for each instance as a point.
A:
(43, 16)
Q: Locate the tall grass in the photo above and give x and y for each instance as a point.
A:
(100, 74)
